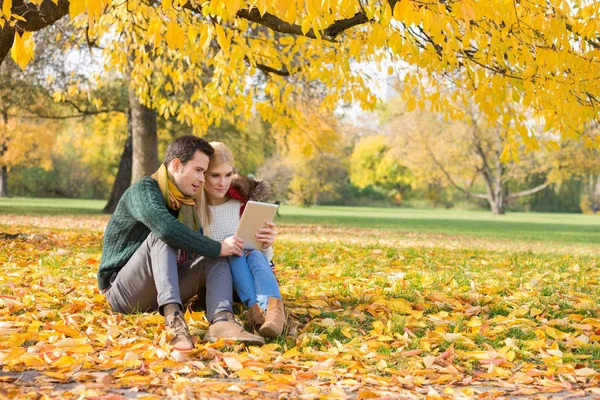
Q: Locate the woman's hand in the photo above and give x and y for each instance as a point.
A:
(266, 235)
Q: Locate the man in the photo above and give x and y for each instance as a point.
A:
(147, 261)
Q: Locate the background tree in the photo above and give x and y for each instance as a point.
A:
(57, 87)
(584, 164)
(374, 164)
(470, 157)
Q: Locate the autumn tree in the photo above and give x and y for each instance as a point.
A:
(577, 161)
(541, 55)
(463, 155)
(374, 163)
(56, 86)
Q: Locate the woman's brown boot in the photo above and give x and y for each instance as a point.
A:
(256, 318)
(274, 319)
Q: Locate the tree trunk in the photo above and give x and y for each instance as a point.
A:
(144, 139)
(596, 190)
(123, 178)
(496, 194)
(498, 207)
(3, 181)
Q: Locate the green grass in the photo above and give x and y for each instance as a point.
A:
(524, 227)
(548, 227)
(33, 206)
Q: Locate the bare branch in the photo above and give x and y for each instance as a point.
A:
(81, 115)
(449, 177)
(524, 193)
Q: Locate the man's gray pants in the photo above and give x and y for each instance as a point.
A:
(152, 278)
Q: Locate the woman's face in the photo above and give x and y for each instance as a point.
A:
(217, 183)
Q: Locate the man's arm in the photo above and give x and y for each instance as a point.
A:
(148, 207)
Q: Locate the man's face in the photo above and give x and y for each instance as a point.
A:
(189, 177)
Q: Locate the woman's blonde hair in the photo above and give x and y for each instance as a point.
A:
(222, 155)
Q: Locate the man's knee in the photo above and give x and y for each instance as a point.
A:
(221, 264)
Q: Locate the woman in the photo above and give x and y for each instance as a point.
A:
(223, 201)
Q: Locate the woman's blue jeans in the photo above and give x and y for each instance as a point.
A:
(253, 279)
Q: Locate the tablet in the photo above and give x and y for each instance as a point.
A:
(254, 217)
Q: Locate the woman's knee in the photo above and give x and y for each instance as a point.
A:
(257, 256)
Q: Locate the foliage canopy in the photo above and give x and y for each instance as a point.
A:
(200, 60)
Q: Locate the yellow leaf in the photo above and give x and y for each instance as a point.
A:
(131, 360)
(76, 7)
(222, 38)
(535, 311)
(22, 49)
(56, 375)
(400, 305)
(66, 330)
(505, 156)
(270, 347)
(306, 24)
(247, 374)
(135, 380)
(293, 352)
(535, 344)
(400, 9)
(175, 36)
(232, 7)
(6, 8)
(553, 145)
(262, 6)
(319, 303)
(64, 361)
(205, 37)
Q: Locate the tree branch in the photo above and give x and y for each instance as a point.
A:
(36, 18)
(461, 189)
(270, 70)
(524, 193)
(83, 114)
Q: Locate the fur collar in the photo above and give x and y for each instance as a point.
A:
(253, 189)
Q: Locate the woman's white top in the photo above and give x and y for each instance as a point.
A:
(224, 219)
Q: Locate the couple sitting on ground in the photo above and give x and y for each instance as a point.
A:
(172, 237)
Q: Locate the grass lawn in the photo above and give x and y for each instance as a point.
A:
(546, 227)
(449, 316)
(549, 227)
(32, 206)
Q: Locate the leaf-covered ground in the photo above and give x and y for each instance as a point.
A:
(371, 316)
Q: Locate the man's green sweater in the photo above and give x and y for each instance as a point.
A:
(140, 211)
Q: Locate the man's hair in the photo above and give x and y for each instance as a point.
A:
(185, 147)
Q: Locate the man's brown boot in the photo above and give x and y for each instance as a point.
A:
(274, 319)
(225, 326)
(178, 332)
(255, 317)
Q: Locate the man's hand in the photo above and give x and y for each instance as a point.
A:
(266, 235)
(232, 246)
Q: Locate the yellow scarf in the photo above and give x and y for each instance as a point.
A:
(176, 200)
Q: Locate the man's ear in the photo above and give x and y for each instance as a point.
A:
(176, 164)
